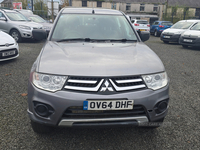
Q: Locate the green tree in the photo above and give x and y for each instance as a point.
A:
(40, 8)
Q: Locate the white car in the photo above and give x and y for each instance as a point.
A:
(9, 48)
(173, 34)
(140, 25)
(191, 37)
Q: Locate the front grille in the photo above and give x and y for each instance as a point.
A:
(6, 45)
(37, 27)
(95, 84)
(128, 83)
(77, 112)
(4, 57)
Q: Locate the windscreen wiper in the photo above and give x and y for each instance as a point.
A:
(122, 40)
(75, 39)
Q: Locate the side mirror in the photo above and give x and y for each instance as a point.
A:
(144, 35)
(3, 19)
(39, 34)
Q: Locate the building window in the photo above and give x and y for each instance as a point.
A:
(155, 8)
(142, 6)
(99, 4)
(128, 6)
(197, 12)
(113, 6)
(84, 3)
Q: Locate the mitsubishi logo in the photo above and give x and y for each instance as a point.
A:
(106, 87)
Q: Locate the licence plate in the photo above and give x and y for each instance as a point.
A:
(187, 40)
(167, 37)
(8, 53)
(108, 105)
(142, 30)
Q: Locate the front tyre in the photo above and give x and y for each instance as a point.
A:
(16, 35)
(40, 128)
(156, 33)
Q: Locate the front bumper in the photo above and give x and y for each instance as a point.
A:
(6, 49)
(192, 41)
(25, 33)
(62, 100)
(170, 38)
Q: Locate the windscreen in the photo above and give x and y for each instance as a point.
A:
(37, 19)
(196, 27)
(142, 22)
(166, 23)
(99, 27)
(182, 25)
(14, 16)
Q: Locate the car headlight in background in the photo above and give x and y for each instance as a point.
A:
(156, 81)
(48, 82)
(179, 32)
(25, 27)
(47, 28)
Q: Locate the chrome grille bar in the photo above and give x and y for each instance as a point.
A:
(92, 89)
(117, 88)
(82, 81)
(128, 81)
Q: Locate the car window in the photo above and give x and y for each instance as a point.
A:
(132, 21)
(100, 27)
(1, 14)
(142, 22)
(14, 16)
(166, 23)
(37, 19)
(196, 27)
(155, 23)
(182, 25)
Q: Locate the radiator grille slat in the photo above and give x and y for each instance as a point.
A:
(94, 84)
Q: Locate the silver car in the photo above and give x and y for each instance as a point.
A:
(191, 37)
(17, 25)
(94, 70)
(173, 34)
(35, 18)
(140, 25)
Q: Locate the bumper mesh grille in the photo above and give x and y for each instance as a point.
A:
(79, 113)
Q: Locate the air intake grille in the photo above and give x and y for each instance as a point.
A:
(78, 113)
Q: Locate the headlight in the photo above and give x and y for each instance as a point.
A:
(15, 42)
(179, 32)
(46, 28)
(47, 82)
(156, 81)
(25, 27)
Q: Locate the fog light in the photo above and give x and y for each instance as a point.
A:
(161, 107)
(43, 110)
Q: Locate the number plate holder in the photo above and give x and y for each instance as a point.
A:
(188, 40)
(108, 105)
(8, 53)
(167, 37)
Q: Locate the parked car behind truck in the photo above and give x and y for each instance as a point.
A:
(140, 25)
(191, 37)
(35, 18)
(17, 25)
(173, 34)
(159, 26)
